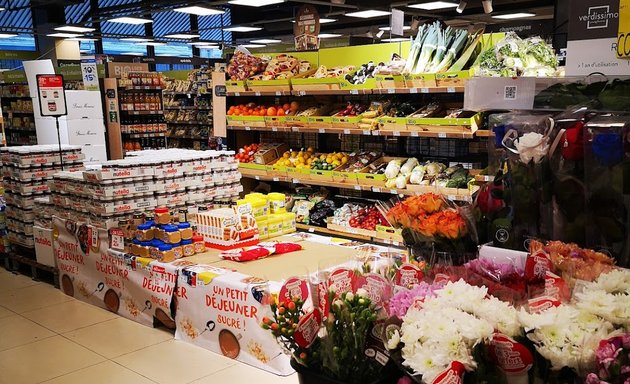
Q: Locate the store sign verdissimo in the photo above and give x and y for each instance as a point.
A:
(623, 40)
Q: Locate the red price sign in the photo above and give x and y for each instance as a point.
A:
(51, 95)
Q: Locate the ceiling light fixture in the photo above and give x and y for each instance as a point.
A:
(2, 8)
(405, 28)
(487, 6)
(516, 15)
(135, 39)
(329, 35)
(152, 43)
(182, 36)
(65, 35)
(199, 11)
(266, 41)
(255, 3)
(322, 20)
(132, 53)
(130, 20)
(253, 45)
(368, 14)
(7, 35)
(242, 29)
(82, 39)
(461, 6)
(208, 46)
(433, 5)
(202, 43)
(395, 40)
(72, 28)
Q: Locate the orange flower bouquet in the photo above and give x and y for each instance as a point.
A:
(429, 221)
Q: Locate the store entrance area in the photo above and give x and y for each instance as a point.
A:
(72, 342)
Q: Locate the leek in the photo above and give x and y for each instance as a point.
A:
(428, 48)
(458, 42)
(415, 50)
(468, 53)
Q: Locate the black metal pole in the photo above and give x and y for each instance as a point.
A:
(59, 140)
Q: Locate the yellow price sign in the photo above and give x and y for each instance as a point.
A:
(623, 39)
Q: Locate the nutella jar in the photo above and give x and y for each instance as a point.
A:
(162, 215)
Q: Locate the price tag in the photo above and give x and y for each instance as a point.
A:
(276, 179)
(367, 132)
(322, 130)
(354, 91)
(346, 131)
(296, 181)
(391, 91)
(396, 133)
(311, 230)
(414, 134)
(413, 90)
(274, 129)
(257, 177)
(357, 187)
(278, 93)
(376, 189)
(451, 197)
(301, 93)
(295, 129)
(442, 135)
(257, 93)
(393, 191)
(376, 133)
(450, 90)
(237, 93)
(118, 240)
(424, 90)
(248, 128)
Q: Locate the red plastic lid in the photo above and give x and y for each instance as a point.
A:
(161, 210)
(197, 238)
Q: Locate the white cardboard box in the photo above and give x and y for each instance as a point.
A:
(44, 252)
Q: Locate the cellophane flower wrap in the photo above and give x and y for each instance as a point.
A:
(447, 326)
(429, 220)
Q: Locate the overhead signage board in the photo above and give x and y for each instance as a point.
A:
(623, 38)
(89, 73)
(306, 28)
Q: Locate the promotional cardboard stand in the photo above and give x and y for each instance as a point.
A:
(52, 101)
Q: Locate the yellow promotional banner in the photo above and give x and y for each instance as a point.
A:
(623, 39)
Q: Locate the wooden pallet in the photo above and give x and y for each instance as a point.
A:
(22, 260)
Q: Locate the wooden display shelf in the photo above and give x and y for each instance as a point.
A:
(366, 132)
(347, 235)
(142, 88)
(156, 112)
(144, 135)
(188, 123)
(392, 91)
(259, 93)
(353, 91)
(451, 193)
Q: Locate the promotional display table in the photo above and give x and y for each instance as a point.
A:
(210, 302)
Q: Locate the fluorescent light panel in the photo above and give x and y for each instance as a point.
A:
(151, 43)
(202, 43)
(133, 53)
(255, 3)
(61, 34)
(517, 15)
(7, 35)
(72, 28)
(200, 11)
(253, 45)
(322, 20)
(130, 20)
(242, 29)
(81, 39)
(368, 14)
(405, 28)
(328, 35)
(265, 41)
(182, 36)
(135, 39)
(433, 5)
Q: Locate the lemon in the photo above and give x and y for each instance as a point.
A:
(344, 160)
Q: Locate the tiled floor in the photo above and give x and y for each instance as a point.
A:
(48, 337)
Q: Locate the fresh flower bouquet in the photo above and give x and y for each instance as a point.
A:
(613, 361)
(608, 297)
(429, 221)
(442, 331)
(335, 340)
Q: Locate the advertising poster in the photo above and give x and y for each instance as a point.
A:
(221, 311)
(51, 95)
(78, 248)
(89, 72)
(306, 29)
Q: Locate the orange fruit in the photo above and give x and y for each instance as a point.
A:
(272, 111)
(286, 106)
(280, 112)
(294, 106)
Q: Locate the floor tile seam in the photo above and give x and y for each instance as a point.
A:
(27, 343)
(232, 364)
(137, 373)
(111, 357)
(42, 307)
(68, 373)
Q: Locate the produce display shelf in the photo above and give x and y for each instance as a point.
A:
(20, 112)
(346, 131)
(484, 178)
(186, 107)
(187, 138)
(144, 112)
(179, 93)
(347, 235)
(484, 133)
(455, 197)
(376, 91)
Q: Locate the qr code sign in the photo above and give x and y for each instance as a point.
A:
(510, 92)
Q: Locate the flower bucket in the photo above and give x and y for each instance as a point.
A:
(309, 376)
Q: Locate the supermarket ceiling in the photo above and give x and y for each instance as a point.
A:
(274, 20)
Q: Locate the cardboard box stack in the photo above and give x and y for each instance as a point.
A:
(26, 171)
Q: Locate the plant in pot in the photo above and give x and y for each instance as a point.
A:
(338, 341)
